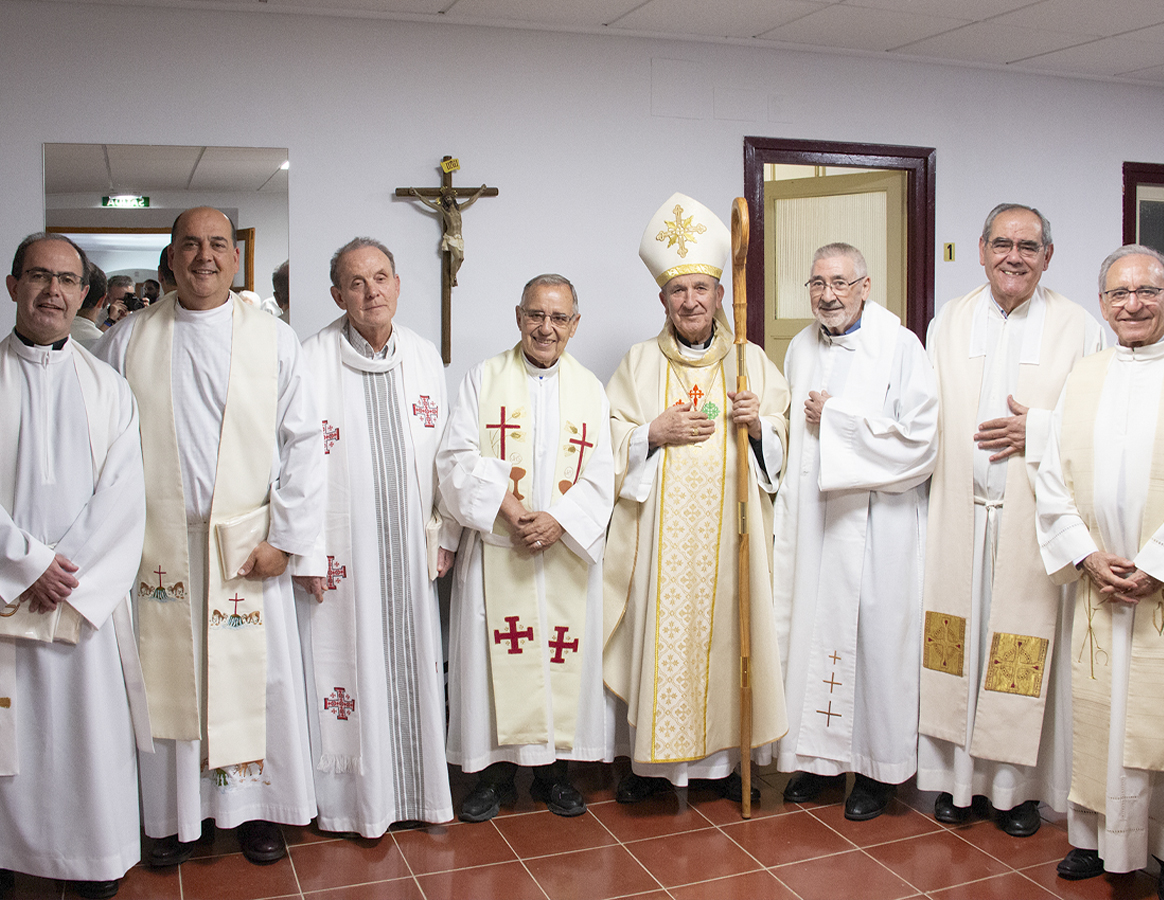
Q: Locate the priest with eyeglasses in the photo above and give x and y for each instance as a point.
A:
(994, 681)
(1101, 526)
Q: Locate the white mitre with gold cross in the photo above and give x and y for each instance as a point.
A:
(684, 237)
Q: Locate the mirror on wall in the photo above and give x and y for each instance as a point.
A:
(118, 202)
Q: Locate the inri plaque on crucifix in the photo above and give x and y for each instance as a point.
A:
(443, 201)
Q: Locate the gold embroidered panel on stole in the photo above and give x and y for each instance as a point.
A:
(1017, 663)
(945, 643)
(690, 526)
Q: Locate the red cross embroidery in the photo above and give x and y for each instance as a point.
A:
(559, 643)
(582, 445)
(696, 395)
(334, 572)
(330, 437)
(513, 635)
(159, 572)
(236, 600)
(427, 410)
(339, 703)
(503, 425)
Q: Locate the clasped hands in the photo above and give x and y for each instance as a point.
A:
(533, 530)
(1118, 578)
(683, 424)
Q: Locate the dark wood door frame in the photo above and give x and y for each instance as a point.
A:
(918, 162)
(1135, 174)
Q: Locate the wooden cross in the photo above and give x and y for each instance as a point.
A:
(559, 643)
(443, 201)
(513, 635)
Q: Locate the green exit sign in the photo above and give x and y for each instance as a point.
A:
(126, 202)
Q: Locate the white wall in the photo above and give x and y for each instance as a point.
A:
(563, 125)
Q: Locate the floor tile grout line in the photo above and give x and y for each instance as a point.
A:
(291, 861)
(520, 859)
(904, 880)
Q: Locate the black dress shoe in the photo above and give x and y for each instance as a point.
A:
(805, 786)
(1080, 864)
(634, 788)
(169, 851)
(1021, 821)
(561, 797)
(261, 842)
(730, 788)
(97, 890)
(946, 812)
(486, 799)
(868, 799)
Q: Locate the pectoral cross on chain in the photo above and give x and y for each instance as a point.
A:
(443, 201)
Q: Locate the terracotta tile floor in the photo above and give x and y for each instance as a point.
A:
(671, 846)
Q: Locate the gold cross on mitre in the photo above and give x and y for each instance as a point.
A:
(680, 231)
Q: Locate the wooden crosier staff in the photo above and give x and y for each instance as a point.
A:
(740, 308)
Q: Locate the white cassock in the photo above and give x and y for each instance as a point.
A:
(1006, 342)
(850, 546)
(71, 809)
(178, 791)
(390, 414)
(472, 488)
(1125, 435)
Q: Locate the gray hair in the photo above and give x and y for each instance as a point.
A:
(1044, 222)
(36, 238)
(358, 243)
(1127, 250)
(851, 253)
(550, 279)
(116, 281)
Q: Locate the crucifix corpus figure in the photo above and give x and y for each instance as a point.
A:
(443, 201)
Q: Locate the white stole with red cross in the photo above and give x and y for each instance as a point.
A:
(521, 647)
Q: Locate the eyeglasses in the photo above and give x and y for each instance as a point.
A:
(42, 278)
(1120, 296)
(537, 317)
(1003, 246)
(816, 286)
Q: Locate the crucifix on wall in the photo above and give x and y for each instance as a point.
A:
(443, 201)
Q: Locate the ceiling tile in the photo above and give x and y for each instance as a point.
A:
(1106, 17)
(72, 168)
(740, 18)
(954, 9)
(1106, 56)
(144, 168)
(338, 7)
(236, 168)
(860, 28)
(1154, 73)
(545, 13)
(990, 42)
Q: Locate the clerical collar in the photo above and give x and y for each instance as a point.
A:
(56, 345)
(700, 347)
(852, 328)
(1018, 310)
(1149, 353)
(537, 370)
(361, 346)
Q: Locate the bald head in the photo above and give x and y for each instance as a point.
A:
(203, 256)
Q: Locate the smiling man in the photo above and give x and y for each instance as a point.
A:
(850, 530)
(1002, 354)
(672, 655)
(525, 467)
(232, 447)
(369, 618)
(1101, 525)
(72, 514)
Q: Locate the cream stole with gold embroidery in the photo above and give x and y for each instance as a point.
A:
(517, 648)
(236, 646)
(1090, 672)
(1024, 603)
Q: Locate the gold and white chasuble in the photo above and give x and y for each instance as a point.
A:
(236, 648)
(511, 595)
(1012, 695)
(670, 579)
(1109, 467)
